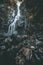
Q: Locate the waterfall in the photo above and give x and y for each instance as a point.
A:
(11, 29)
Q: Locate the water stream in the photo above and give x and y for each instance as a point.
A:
(11, 28)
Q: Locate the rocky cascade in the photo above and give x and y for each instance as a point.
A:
(21, 32)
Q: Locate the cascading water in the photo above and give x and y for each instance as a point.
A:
(11, 29)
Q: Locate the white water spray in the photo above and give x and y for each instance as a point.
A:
(11, 29)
